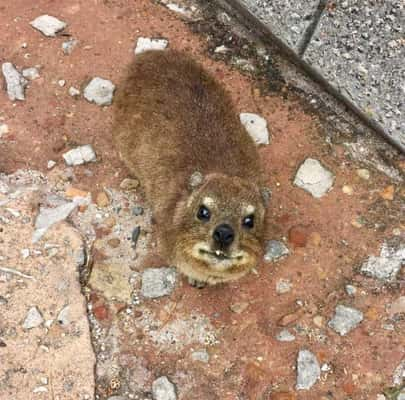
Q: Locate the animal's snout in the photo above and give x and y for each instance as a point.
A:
(224, 235)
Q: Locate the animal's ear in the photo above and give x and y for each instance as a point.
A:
(266, 194)
(195, 180)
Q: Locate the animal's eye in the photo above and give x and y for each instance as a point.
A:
(249, 221)
(203, 214)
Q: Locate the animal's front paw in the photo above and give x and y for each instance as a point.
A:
(196, 284)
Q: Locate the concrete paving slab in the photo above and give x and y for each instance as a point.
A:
(359, 48)
(287, 19)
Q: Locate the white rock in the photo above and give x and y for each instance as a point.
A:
(163, 389)
(308, 370)
(48, 25)
(221, 49)
(399, 374)
(63, 316)
(285, 336)
(145, 44)
(33, 318)
(256, 127)
(314, 178)
(178, 9)
(15, 82)
(40, 389)
(74, 92)
(25, 253)
(350, 290)
(345, 319)
(3, 129)
(99, 91)
(61, 82)
(386, 266)
(51, 164)
(30, 73)
(50, 216)
(80, 155)
(275, 250)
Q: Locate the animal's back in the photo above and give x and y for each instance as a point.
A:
(173, 119)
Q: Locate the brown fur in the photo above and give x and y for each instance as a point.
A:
(173, 119)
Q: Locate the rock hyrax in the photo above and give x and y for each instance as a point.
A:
(179, 133)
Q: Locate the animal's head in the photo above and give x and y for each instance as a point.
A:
(219, 228)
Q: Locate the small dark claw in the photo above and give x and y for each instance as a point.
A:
(196, 284)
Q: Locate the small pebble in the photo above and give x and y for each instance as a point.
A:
(308, 370)
(145, 44)
(285, 336)
(15, 82)
(158, 282)
(25, 253)
(135, 236)
(30, 73)
(99, 91)
(33, 318)
(102, 199)
(74, 92)
(137, 210)
(163, 389)
(345, 319)
(275, 250)
(61, 82)
(63, 316)
(51, 164)
(80, 155)
(68, 46)
(3, 129)
(256, 127)
(346, 189)
(238, 308)
(48, 25)
(363, 173)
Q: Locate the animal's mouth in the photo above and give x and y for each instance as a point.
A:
(219, 255)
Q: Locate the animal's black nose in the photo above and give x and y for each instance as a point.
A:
(224, 235)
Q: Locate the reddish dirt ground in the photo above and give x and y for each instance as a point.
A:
(248, 362)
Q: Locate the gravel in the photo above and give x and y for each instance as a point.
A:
(275, 250)
(145, 44)
(345, 319)
(158, 282)
(80, 155)
(163, 389)
(350, 290)
(15, 82)
(256, 127)
(99, 91)
(308, 370)
(48, 25)
(387, 265)
(314, 178)
(33, 318)
(285, 336)
(30, 73)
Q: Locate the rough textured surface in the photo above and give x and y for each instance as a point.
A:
(287, 19)
(308, 370)
(52, 359)
(146, 44)
(158, 282)
(314, 178)
(345, 319)
(99, 91)
(48, 25)
(80, 155)
(15, 82)
(359, 48)
(387, 265)
(275, 250)
(163, 389)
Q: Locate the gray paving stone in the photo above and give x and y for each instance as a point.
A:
(288, 20)
(358, 47)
